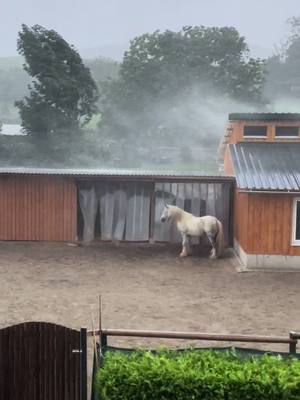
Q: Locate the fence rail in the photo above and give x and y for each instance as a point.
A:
(291, 340)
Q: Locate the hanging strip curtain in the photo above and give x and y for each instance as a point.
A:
(138, 212)
(124, 210)
(198, 198)
(89, 204)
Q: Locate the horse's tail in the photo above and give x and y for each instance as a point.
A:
(220, 244)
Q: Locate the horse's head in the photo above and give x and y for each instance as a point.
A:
(166, 214)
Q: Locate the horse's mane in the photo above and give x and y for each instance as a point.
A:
(177, 211)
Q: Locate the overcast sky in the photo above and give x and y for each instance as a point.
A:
(106, 26)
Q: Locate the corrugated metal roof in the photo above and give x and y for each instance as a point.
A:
(264, 117)
(108, 172)
(267, 166)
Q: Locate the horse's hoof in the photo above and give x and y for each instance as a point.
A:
(182, 255)
(213, 257)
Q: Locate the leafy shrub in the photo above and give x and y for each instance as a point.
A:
(205, 375)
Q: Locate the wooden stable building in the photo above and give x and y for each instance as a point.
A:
(41, 204)
(257, 197)
(262, 151)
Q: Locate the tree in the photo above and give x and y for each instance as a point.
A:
(63, 94)
(161, 71)
(164, 63)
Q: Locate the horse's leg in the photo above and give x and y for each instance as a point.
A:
(185, 246)
(212, 241)
(188, 245)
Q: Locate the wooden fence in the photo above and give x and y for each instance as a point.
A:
(290, 340)
(43, 361)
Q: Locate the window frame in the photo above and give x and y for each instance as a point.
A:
(286, 136)
(255, 136)
(295, 242)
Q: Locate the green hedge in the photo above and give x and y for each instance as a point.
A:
(205, 375)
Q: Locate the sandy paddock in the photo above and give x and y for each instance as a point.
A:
(143, 287)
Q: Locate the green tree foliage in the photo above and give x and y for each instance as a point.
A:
(63, 94)
(168, 68)
(14, 81)
(165, 63)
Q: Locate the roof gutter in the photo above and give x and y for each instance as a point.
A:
(255, 191)
(156, 178)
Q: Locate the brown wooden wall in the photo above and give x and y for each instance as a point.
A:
(38, 208)
(263, 223)
(235, 131)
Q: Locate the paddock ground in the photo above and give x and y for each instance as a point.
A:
(143, 287)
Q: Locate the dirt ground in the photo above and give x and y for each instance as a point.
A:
(143, 287)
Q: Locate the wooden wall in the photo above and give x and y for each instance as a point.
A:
(263, 223)
(235, 131)
(38, 208)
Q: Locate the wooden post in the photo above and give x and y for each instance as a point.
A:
(95, 341)
(100, 330)
(230, 228)
(100, 316)
(83, 364)
(293, 345)
(104, 340)
(152, 214)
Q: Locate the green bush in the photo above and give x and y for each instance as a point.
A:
(205, 375)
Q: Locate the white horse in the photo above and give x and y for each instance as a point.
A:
(189, 225)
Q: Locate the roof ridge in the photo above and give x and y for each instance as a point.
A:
(264, 116)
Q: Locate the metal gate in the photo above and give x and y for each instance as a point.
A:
(42, 361)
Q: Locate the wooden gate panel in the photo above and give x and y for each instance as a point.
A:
(37, 362)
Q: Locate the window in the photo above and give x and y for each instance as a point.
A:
(287, 131)
(296, 222)
(255, 131)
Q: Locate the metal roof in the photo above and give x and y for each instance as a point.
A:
(267, 166)
(264, 117)
(115, 172)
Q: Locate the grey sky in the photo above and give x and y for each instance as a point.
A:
(106, 26)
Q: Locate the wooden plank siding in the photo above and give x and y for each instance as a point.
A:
(237, 131)
(38, 208)
(263, 223)
(240, 218)
(37, 362)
